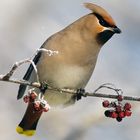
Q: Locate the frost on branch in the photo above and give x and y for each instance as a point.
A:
(38, 100)
(49, 52)
(29, 60)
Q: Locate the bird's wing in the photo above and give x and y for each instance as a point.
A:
(22, 88)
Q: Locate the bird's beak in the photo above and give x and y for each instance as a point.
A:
(116, 30)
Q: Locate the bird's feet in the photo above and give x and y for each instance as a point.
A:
(80, 92)
(43, 87)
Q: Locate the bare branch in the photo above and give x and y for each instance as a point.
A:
(109, 86)
(28, 60)
(23, 82)
(70, 91)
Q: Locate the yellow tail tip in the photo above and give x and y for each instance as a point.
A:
(20, 130)
(29, 132)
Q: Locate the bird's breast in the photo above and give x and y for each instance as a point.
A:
(67, 70)
(72, 68)
(66, 76)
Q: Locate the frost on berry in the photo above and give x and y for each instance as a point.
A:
(121, 114)
(128, 113)
(33, 95)
(114, 114)
(118, 108)
(46, 108)
(37, 101)
(30, 97)
(41, 105)
(127, 106)
(37, 106)
(105, 103)
(120, 98)
(26, 99)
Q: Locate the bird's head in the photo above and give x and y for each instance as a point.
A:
(103, 25)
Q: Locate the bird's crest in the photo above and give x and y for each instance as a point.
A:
(101, 12)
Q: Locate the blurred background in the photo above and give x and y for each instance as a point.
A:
(25, 25)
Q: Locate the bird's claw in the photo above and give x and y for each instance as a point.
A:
(43, 87)
(80, 92)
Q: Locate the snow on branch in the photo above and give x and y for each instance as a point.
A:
(96, 93)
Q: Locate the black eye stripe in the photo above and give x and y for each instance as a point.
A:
(102, 21)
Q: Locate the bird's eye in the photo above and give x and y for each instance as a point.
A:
(102, 21)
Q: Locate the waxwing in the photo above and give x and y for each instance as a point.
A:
(78, 46)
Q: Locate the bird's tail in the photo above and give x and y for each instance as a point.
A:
(29, 122)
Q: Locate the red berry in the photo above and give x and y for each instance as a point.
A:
(114, 114)
(120, 97)
(33, 95)
(105, 103)
(37, 106)
(121, 114)
(26, 99)
(118, 108)
(46, 109)
(127, 106)
(128, 113)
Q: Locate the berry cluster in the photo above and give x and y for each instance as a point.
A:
(39, 104)
(118, 110)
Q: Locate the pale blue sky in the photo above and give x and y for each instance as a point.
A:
(25, 25)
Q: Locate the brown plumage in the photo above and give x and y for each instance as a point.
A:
(102, 12)
(78, 45)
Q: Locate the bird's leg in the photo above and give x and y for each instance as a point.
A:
(80, 92)
(43, 87)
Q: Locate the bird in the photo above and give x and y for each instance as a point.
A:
(78, 46)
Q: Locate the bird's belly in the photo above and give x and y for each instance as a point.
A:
(64, 77)
(70, 77)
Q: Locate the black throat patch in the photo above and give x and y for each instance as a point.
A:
(104, 36)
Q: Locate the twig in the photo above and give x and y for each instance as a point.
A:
(24, 82)
(70, 91)
(7, 78)
(15, 66)
(29, 60)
